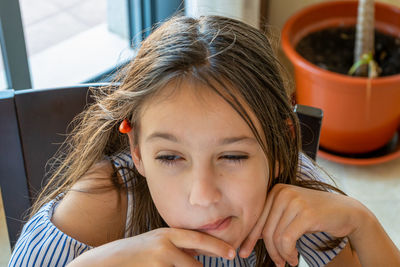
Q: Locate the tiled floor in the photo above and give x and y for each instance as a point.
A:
(49, 22)
(69, 41)
(79, 58)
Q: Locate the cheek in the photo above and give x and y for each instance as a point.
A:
(167, 196)
(250, 195)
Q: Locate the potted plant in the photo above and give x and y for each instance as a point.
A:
(361, 114)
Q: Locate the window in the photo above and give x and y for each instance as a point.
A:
(70, 41)
(3, 81)
(64, 42)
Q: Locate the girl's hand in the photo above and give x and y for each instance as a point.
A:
(291, 211)
(160, 247)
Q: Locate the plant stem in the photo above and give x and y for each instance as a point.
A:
(364, 33)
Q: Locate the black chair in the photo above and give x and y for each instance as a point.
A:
(310, 127)
(33, 123)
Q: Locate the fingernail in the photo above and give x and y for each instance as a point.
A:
(231, 254)
(293, 262)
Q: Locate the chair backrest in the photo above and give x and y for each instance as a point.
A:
(310, 127)
(33, 124)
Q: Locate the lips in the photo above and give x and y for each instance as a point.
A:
(220, 224)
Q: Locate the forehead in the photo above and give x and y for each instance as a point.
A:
(186, 100)
(189, 88)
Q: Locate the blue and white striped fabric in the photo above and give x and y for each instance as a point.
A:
(221, 262)
(42, 244)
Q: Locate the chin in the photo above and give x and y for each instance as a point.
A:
(234, 241)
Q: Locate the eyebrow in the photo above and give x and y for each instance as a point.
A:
(223, 141)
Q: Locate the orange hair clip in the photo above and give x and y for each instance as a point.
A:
(125, 127)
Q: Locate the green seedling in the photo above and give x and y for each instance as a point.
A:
(369, 60)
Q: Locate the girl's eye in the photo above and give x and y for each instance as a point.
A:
(168, 159)
(235, 158)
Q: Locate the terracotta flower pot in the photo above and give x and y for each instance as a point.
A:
(356, 119)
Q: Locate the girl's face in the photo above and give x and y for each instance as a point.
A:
(204, 168)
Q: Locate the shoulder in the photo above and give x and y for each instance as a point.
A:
(43, 244)
(74, 222)
(93, 211)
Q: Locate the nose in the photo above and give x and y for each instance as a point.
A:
(204, 191)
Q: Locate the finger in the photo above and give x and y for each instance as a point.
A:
(205, 243)
(277, 211)
(256, 233)
(179, 258)
(289, 237)
(283, 242)
(191, 252)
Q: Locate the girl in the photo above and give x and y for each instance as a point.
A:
(194, 160)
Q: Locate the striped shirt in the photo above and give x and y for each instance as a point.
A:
(41, 243)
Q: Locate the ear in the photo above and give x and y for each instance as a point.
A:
(136, 156)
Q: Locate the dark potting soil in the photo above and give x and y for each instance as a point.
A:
(333, 49)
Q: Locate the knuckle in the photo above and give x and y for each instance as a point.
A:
(198, 238)
(286, 247)
(267, 234)
(286, 193)
(161, 238)
(286, 238)
(276, 238)
(298, 203)
(161, 232)
(161, 247)
(278, 188)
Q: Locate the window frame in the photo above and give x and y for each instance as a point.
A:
(142, 16)
(13, 47)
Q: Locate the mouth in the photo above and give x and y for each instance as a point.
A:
(218, 225)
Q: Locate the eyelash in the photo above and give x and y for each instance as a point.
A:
(235, 158)
(168, 159)
(172, 159)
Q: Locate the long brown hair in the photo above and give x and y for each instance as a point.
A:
(233, 59)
